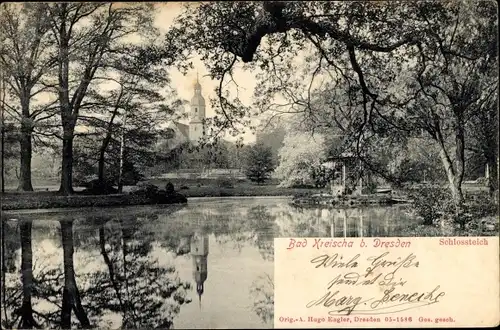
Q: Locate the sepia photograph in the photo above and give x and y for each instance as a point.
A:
(152, 152)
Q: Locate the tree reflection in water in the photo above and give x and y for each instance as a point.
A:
(132, 290)
(21, 313)
(262, 291)
(118, 281)
(71, 300)
(146, 294)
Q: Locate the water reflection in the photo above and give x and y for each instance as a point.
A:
(141, 267)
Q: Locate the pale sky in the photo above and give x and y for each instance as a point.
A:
(183, 84)
(167, 12)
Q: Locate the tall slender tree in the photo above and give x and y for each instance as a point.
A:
(89, 36)
(26, 57)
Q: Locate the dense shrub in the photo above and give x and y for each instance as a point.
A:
(147, 189)
(321, 176)
(169, 188)
(259, 163)
(435, 204)
(481, 207)
(431, 203)
(95, 187)
(159, 196)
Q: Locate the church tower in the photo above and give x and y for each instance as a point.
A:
(199, 252)
(197, 114)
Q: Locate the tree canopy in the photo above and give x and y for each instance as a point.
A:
(372, 70)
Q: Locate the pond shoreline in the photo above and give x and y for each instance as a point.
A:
(91, 209)
(51, 202)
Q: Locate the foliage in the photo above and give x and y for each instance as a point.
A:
(262, 290)
(266, 36)
(148, 190)
(26, 58)
(169, 188)
(218, 154)
(100, 38)
(321, 176)
(435, 206)
(403, 69)
(407, 161)
(132, 284)
(86, 168)
(258, 163)
(301, 154)
(11, 152)
(483, 142)
(97, 187)
(479, 206)
(430, 203)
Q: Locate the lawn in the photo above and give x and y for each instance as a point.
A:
(218, 188)
(46, 196)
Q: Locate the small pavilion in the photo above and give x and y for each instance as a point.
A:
(342, 165)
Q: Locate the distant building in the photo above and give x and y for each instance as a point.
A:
(195, 129)
(197, 114)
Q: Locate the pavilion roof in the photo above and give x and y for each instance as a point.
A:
(344, 155)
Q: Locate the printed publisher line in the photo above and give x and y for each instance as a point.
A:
(367, 319)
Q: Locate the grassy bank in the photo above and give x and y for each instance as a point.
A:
(247, 190)
(46, 200)
(50, 199)
(228, 188)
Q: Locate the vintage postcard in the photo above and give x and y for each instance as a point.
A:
(249, 164)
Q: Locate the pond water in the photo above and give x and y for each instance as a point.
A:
(208, 264)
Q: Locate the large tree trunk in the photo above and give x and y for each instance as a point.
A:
(66, 187)
(27, 320)
(25, 168)
(26, 149)
(68, 120)
(453, 182)
(455, 173)
(107, 139)
(71, 295)
(459, 157)
(102, 154)
(491, 161)
(100, 172)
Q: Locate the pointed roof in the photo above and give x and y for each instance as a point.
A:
(183, 128)
(197, 98)
(197, 82)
